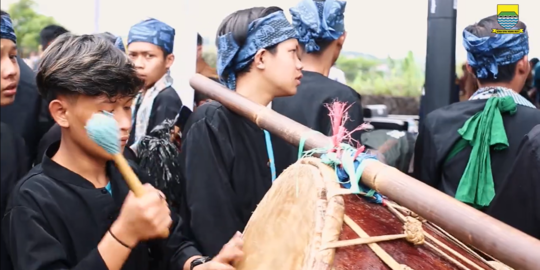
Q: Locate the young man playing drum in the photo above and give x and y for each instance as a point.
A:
(75, 211)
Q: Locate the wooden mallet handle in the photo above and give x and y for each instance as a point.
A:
(132, 180)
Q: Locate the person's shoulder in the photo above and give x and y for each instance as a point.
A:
(10, 137)
(211, 113)
(168, 94)
(329, 88)
(466, 108)
(534, 138)
(34, 185)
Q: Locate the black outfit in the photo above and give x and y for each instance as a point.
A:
(55, 220)
(518, 202)
(55, 134)
(438, 134)
(166, 106)
(225, 166)
(308, 107)
(14, 166)
(29, 115)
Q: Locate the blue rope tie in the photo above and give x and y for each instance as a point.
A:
(348, 169)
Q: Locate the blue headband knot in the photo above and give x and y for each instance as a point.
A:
(486, 54)
(119, 43)
(262, 33)
(6, 29)
(317, 20)
(154, 32)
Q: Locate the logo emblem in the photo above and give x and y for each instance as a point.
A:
(508, 17)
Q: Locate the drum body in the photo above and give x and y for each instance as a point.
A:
(302, 216)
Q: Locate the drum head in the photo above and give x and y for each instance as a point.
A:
(285, 231)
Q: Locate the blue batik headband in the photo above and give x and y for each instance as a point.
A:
(119, 43)
(487, 53)
(6, 29)
(262, 33)
(154, 32)
(315, 20)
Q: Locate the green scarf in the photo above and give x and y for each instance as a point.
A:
(482, 131)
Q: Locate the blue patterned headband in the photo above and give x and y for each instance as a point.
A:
(316, 20)
(487, 53)
(119, 43)
(154, 32)
(262, 33)
(6, 29)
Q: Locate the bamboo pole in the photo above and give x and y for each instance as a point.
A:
(467, 224)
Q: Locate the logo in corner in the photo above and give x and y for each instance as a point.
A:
(508, 17)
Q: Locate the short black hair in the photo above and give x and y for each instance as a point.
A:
(86, 65)
(238, 22)
(199, 40)
(2, 13)
(108, 36)
(534, 61)
(50, 33)
(484, 28)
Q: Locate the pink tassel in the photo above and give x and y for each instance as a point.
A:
(338, 117)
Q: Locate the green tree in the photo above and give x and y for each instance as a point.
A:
(391, 77)
(210, 58)
(28, 23)
(353, 67)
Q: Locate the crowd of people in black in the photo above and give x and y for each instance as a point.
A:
(65, 205)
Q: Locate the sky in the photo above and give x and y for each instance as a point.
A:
(381, 28)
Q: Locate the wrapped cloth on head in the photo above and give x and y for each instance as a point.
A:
(154, 32)
(6, 29)
(262, 33)
(318, 20)
(486, 54)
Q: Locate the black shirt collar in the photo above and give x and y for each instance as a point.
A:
(60, 173)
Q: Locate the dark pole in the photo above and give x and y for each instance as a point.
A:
(440, 55)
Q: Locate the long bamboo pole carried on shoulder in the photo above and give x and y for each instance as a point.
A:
(469, 225)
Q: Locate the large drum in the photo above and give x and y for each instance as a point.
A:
(307, 221)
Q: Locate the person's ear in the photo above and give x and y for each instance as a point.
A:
(469, 69)
(341, 40)
(59, 109)
(169, 60)
(260, 59)
(523, 67)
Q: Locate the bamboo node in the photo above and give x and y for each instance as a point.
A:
(413, 231)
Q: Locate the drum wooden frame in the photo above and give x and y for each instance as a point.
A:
(307, 221)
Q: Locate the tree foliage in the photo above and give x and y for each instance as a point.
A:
(210, 57)
(28, 23)
(392, 77)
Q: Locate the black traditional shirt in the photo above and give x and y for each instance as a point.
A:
(56, 218)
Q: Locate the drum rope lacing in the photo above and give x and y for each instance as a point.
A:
(348, 164)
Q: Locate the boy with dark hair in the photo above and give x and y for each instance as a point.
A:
(49, 33)
(54, 133)
(75, 211)
(464, 149)
(13, 153)
(150, 47)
